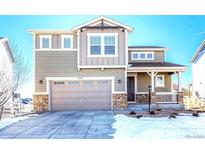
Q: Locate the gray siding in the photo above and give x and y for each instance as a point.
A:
(56, 41)
(120, 60)
(64, 64)
(158, 57)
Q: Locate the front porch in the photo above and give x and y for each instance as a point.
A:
(161, 81)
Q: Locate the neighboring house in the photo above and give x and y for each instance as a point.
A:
(198, 75)
(6, 58)
(6, 63)
(92, 67)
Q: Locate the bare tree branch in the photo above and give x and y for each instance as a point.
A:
(12, 76)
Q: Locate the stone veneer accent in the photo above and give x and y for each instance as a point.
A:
(180, 97)
(119, 101)
(144, 98)
(40, 103)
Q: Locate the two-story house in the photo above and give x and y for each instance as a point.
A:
(92, 67)
(198, 76)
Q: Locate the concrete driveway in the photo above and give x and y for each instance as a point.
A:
(63, 125)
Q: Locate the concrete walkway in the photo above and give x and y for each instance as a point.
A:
(63, 125)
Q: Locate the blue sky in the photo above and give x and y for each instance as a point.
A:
(181, 34)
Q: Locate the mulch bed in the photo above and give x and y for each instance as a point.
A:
(158, 114)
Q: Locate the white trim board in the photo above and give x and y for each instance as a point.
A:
(66, 49)
(158, 69)
(40, 93)
(34, 62)
(102, 66)
(78, 50)
(147, 49)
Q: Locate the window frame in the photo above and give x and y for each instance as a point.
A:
(146, 55)
(163, 80)
(41, 41)
(102, 46)
(63, 41)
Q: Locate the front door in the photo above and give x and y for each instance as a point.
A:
(130, 89)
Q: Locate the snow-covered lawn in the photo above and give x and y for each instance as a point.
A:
(184, 126)
(9, 121)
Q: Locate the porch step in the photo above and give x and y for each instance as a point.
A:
(167, 106)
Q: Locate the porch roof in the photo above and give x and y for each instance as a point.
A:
(157, 66)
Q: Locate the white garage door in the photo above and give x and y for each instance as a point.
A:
(80, 95)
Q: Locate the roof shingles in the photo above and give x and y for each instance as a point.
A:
(146, 47)
(154, 64)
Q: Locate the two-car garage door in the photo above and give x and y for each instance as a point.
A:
(81, 95)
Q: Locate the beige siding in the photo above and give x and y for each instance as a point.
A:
(56, 41)
(167, 83)
(143, 80)
(64, 64)
(158, 57)
(120, 60)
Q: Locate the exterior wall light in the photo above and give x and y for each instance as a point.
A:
(40, 81)
(119, 81)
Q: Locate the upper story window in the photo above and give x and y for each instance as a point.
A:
(66, 41)
(45, 41)
(142, 55)
(95, 45)
(159, 81)
(102, 44)
(109, 45)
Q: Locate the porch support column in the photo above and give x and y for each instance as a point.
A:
(179, 81)
(152, 75)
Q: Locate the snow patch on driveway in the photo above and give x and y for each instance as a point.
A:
(9, 121)
(159, 128)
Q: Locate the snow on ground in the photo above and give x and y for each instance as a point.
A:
(185, 126)
(9, 121)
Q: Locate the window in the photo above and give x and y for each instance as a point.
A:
(159, 81)
(142, 55)
(45, 41)
(109, 45)
(102, 44)
(149, 56)
(66, 41)
(95, 45)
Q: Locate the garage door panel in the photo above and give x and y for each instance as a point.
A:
(67, 96)
(80, 95)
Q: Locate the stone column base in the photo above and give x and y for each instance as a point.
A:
(180, 97)
(40, 103)
(119, 101)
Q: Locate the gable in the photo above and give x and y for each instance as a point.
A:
(196, 55)
(4, 46)
(103, 22)
(199, 56)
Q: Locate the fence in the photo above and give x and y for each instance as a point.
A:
(194, 103)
